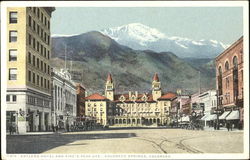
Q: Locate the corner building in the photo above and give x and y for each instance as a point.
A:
(132, 108)
(28, 68)
(229, 82)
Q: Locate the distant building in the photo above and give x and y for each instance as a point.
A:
(64, 99)
(180, 107)
(80, 91)
(28, 68)
(132, 108)
(229, 82)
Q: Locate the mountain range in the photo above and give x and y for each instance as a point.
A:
(91, 56)
(142, 37)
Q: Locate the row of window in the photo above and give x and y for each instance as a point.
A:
(40, 16)
(38, 30)
(11, 98)
(38, 47)
(38, 80)
(235, 64)
(36, 62)
(37, 101)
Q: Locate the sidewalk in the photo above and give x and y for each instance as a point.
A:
(32, 133)
(222, 129)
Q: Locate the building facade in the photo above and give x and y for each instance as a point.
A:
(132, 108)
(80, 92)
(29, 72)
(64, 99)
(229, 81)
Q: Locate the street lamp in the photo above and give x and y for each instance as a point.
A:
(217, 110)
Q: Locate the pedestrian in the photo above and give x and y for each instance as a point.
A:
(228, 126)
(53, 128)
(231, 126)
(214, 126)
(10, 128)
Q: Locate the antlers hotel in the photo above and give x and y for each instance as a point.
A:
(130, 109)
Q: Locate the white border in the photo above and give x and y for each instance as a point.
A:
(243, 4)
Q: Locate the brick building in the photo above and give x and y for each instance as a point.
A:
(229, 81)
(80, 91)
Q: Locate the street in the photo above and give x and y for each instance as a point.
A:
(130, 141)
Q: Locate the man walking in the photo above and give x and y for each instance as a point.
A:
(228, 126)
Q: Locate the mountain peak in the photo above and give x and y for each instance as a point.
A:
(134, 32)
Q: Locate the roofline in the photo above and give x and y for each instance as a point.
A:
(229, 48)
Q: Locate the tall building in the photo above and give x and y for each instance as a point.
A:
(132, 108)
(29, 74)
(229, 82)
(64, 99)
(80, 91)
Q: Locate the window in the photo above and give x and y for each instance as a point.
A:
(12, 74)
(34, 60)
(34, 10)
(38, 12)
(42, 65)
(48, 39)
(42, 81)
(48, 84)
(45, 21)
(227, 82)
(45, 54)
(226, 66)
(13, 36)
(30, 21)
(37, 79)
(37, 46)
(7, 98)
(44, 51)
(37, 62)
(12, 55)
(34, 43)
(48, 69)
(42, 17)
(34, 25)
(45, 67)
(34, 78)
(45, 36)
(41, 49)
(235, 62)
(45, 82)
(38, 29)
(29, 58)
(30, 39)
(48, 55)
(48, 25)
(41, 33)
(29, 76)
(14, 98)
(13, 17)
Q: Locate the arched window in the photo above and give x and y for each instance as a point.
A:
(220, 71)
(235, 62)
(226, 66)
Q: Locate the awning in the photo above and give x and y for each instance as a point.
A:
(204, 118)
(224, 115)
(233, 115)
(185, 119)
(211, 117)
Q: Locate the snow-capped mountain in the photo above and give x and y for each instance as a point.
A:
(141, 37)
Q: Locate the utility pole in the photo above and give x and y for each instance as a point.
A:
(65, 56)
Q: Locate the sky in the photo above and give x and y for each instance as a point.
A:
(223, 24)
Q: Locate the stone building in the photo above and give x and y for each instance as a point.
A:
(64, 99)
(28, 68)
(132, 108)
(229, 81)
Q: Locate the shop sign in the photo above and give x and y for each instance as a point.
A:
(21, 118)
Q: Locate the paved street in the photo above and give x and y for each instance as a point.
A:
(129, 141)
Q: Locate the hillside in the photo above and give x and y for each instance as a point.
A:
(90, 56)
